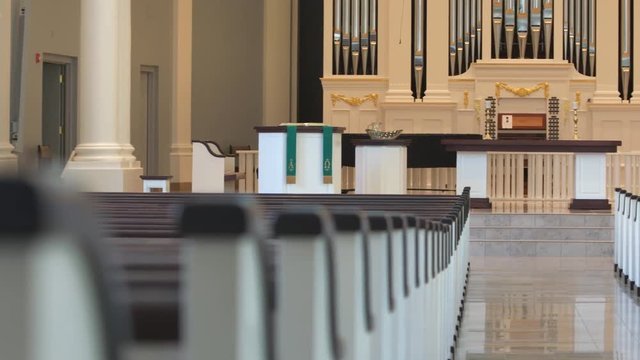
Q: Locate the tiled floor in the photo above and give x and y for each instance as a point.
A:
(548, 308)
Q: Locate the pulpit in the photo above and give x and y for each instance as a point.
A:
(381, 166)
(300, 159)
(589, 180)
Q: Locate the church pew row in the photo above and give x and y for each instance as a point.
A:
(450, 325)
(627, 238)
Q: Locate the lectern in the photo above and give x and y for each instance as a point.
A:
(300, 159)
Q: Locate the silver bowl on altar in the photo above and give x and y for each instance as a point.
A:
(383, 135)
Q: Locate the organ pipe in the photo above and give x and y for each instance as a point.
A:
(364, 35)
(355, 34)
(625, 47)
(373, 33)
(467, 35)
(565, 28)
(592, 37)
(576, 32)
(571, 28)
(548, 26)
(585, 35)
(346, 35)
(536, 25)
(418, 47)
(479, 27)
(459, 39)
(474, 28)
(509, 25)
(523, 26)
(497, 26)
(452, 36)
(337, 4)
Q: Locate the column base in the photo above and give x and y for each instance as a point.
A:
(103, 168)
(480, 203)
(438, 96)
(181, 164)
(590, 204)
(399, 96)
(635, 97)
(606, 97)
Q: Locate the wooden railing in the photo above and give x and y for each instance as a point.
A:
(623, 171)
(512, 176)
(434, 180)
(531, 176)
(248, 164)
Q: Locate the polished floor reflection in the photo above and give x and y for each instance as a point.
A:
(548, 308)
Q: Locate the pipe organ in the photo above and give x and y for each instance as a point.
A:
(355, 37)
(437, 60)
(465, 34)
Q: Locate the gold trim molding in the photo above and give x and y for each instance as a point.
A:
(522, 92)
(354, 101)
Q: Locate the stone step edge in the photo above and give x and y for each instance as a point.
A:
(484, 227)
(545, 241)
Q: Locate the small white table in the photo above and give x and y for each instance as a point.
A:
(381, 166)
(156, 183)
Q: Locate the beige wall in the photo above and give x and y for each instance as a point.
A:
(227, 68)
(152, 46)
(51, 27)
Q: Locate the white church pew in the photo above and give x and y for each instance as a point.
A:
(58, 298)
(209, 167)
(306, 314)
(224, 292)
(620, 195)
(353, 269)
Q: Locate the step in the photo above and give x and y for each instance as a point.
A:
(530, 220)
(573, 248)
(564, 233)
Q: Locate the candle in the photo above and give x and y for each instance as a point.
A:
(574, 105)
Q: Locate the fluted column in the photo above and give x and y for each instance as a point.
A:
(398, 35)
(8, 161)
(437, 51)
(635, 96)
(487, 25)
(181, 150)
(607, 63)
(103, 160)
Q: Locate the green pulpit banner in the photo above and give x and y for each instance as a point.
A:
(327, 154)
(292, 135)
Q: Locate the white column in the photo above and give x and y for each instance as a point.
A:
(607, 53)
(635, 96)
(437, 52)
(487, 26)
(8, 161)
(103, 160)
(558, 35)
(181, 150)
(398, 49)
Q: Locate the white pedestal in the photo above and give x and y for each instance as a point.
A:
(155, 183)
(591, 176)
(381, 166)
(471, 170)
(272, 174)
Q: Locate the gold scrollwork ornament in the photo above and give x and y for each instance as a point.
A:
(521, 91)
(354, 101)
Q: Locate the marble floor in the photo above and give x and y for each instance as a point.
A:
(548, 308)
